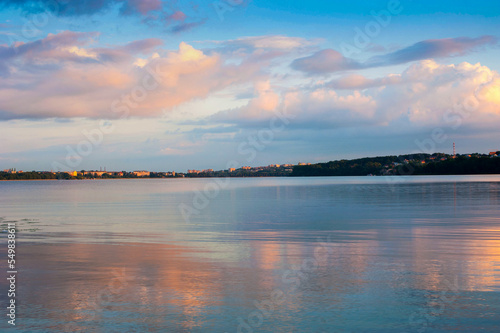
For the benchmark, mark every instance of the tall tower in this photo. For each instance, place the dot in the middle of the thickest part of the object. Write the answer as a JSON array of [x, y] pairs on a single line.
[[454, 151]]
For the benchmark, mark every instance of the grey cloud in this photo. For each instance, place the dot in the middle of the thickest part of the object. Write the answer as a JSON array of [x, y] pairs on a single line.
[[330, 61], [52, 48], [82, 7], [36, 49], [154, 12], [360, 82], [65, 38], [185, 26], [435, 48]]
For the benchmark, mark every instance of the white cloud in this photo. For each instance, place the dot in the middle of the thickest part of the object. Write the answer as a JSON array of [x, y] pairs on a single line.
[[426, 94]]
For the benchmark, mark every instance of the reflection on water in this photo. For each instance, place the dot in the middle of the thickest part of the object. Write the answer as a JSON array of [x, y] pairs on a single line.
[[353, 254]]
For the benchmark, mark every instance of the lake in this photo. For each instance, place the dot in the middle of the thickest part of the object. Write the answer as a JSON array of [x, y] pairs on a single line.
[[327, 254]]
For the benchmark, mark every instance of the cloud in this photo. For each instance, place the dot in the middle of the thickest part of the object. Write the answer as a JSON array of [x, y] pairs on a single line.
[[177, 16], [321, 108], [140, 6], [186, 26], [278, 42], [153, 12], [177, 22], [431, 49], [265, 46], [325, 61], [56, 50], [84, 7], [425, 95], [51, 50], [357, 81], [51, 42], [330, 61], [261, 107], [65, 76], [142, 46], [73, 79], [125, 52]]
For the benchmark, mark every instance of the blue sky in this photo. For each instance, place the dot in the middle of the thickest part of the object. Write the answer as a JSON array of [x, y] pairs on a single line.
[[77, 89]]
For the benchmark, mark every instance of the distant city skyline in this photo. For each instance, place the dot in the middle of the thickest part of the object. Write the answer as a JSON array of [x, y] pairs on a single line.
[[288, 166], [167, 85], [408, 164]]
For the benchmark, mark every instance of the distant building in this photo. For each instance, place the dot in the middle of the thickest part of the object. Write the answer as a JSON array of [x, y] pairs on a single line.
[[231, 169], [194, 171], [141, 173], [94, 173], [246, 168]]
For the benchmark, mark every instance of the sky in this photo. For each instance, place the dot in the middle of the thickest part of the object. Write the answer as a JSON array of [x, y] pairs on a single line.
[[166, 85]]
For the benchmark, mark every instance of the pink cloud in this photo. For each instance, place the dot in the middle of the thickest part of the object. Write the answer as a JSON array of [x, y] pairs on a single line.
[[357, 81], [68, 46], [141, 6], [177, 16], [101, 90]]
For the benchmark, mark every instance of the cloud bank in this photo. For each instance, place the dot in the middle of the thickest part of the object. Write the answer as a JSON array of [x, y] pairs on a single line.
[[426, 94], [63, 76]]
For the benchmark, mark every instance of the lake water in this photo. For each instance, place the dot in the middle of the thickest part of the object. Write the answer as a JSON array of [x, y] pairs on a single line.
[[338, 254]]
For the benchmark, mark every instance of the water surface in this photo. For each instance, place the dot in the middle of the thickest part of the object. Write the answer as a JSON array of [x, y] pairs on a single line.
[[337, 254]]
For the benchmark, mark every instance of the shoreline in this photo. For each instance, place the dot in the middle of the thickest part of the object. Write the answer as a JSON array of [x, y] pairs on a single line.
[[22, 180], [291, 177]]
